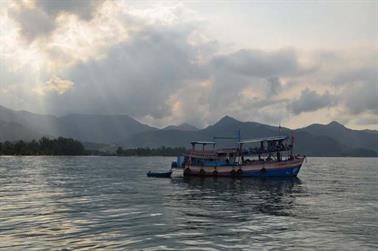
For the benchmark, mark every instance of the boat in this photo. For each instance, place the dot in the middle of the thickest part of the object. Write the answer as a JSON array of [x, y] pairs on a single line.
[[261, 157]]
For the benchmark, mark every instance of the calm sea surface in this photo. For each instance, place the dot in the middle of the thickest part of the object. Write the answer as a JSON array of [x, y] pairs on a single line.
[[73, 203]]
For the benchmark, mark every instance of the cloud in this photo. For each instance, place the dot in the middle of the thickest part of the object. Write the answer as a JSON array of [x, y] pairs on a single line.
[[352, 75], [311, 101], [367, 120], [34, 23], [54, 85], [75, 41], [155, 75], [159, 65], [274, 86], [259, 63], [137, 76], [83, 9], [39, 17], [361, 97], [244, 78]]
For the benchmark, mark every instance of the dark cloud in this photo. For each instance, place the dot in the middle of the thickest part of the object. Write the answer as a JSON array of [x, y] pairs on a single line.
[[82, 8], [274, 86], [311, 101], [40, 20], [355, 79], [258, 63], [366, 73], [258, 70], [34, 23], [137, 77], [362, 97]]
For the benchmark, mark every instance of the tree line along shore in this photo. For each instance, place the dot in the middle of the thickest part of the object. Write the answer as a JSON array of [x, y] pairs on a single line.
[[69, 146]]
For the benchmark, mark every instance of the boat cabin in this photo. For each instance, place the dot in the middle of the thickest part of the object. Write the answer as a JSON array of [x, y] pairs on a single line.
[[245, 152], [269, 148], [262, 157]]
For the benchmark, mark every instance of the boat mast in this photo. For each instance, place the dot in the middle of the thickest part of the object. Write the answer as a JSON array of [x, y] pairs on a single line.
[[241, 157], [292, 144]]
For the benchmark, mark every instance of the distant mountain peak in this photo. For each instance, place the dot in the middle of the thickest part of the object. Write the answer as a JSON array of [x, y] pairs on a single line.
[[89, 115], [336, 124], [188, 126], [228, 119], [4, 108], [182, 127]]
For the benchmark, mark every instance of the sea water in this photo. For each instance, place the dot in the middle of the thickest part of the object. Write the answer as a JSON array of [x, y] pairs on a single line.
[[87, 203]]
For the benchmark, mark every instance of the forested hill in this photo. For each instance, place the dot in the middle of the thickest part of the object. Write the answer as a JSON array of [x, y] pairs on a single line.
[[333, 139]]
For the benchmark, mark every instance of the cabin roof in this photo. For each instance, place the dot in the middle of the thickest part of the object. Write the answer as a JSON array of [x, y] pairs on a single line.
[[273, 138], [203, 143]]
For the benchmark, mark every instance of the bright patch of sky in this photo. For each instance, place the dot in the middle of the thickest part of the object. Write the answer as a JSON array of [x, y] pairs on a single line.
[[276, 24]]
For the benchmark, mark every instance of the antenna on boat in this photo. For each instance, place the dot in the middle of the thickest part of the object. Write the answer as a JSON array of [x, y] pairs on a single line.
[[292, 142]]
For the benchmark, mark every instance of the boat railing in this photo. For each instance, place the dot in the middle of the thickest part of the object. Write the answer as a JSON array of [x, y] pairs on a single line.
[[201, 153], [256, 150]]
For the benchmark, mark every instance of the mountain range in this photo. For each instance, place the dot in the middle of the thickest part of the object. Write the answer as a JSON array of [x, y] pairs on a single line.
[[97, 131]]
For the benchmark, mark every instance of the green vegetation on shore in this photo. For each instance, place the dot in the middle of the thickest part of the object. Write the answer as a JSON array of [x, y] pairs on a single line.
[[68, 146], [44, 146]]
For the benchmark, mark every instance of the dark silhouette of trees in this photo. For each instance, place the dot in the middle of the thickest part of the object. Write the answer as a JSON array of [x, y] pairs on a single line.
[[161, 151], [45, 146], [7, 148], [67, 146], [119, 151]]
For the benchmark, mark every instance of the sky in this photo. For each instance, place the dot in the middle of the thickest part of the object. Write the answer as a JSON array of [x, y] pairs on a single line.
[[291, 63]]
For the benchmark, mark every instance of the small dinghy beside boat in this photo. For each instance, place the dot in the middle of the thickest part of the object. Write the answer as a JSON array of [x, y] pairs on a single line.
[[159, 175]]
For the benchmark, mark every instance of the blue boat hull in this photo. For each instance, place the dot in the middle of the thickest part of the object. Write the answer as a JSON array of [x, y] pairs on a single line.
[[282, 172], [288, 168]]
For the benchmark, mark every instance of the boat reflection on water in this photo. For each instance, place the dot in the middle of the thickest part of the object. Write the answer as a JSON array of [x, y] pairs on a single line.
[[238, 213], [245, 197]]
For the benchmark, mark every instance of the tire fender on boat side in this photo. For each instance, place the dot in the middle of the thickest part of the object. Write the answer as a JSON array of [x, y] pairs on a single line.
[[202, 172], [215, 172], [263, 170], [240, 171], [187, 170]]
